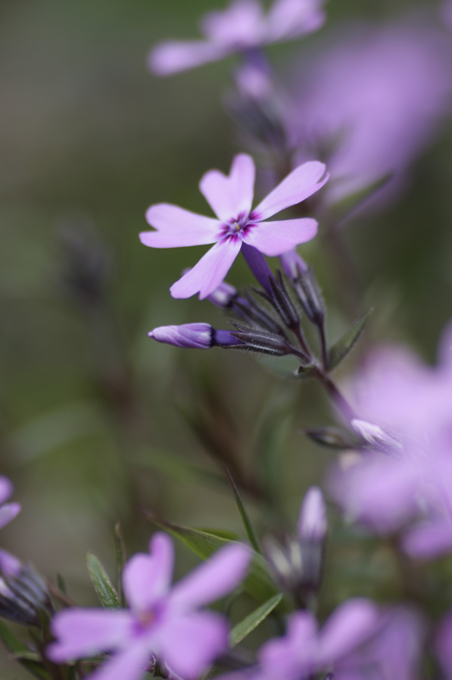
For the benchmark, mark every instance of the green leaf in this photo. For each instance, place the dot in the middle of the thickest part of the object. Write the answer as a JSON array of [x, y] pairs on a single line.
[[101, 582], [258, 583], [342, 347], [245, 627], [271, 442], [244, 515], [121, 557], [23, 655]]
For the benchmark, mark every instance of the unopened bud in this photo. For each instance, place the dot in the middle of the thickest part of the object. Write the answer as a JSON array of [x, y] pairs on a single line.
[[305, 286], [292, 264], [253, 82], [376, 436], [313, 523], [188, 336], [258, 340], [23, 594]]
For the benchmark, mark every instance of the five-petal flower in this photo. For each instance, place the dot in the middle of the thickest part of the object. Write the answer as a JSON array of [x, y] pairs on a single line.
[[231, 199], [161, 621]]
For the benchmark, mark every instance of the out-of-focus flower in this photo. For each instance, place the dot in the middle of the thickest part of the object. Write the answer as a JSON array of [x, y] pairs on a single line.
[[313, 523], [446, 13], [305, 650], [8, 511], [161, 621], [193, 336], [23, 593], [241, 27], [405, 415], [372, 101], [393, 653], [231, 198]]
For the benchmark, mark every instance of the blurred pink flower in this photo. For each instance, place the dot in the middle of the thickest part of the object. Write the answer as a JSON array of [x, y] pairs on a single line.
[[305, 651], [240, 27], [231, 198], [8, 511], [373, 100], [161, 621]]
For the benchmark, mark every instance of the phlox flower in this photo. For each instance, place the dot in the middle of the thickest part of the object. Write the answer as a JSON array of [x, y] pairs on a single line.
[[8, 511], [407, 406], [236, 224], [240, 27], [374, 97], [305, 650], [161, 620]]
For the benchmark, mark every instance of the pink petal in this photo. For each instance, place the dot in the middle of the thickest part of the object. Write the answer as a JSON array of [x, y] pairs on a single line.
[[171, 57], [296, 187], [8, 512], [130, 664], [189, 644], [6, 489], [349, 626], [277, 237], [429, 541], [9, 564], [213, 579], [86, 632], [209, 272], [177, 227], [147, 578], [293, 653], [291, 18], [230, 196]]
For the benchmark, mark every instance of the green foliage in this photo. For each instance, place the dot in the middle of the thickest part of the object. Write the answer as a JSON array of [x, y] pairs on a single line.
[[253, 620], [101, 582], [28, 659], [345, 344]]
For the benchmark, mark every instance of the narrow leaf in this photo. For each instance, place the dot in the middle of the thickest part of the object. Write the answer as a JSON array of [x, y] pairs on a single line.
[[244, 515], [101, 582], [342, 347], [258, 583], [245, 627], [23, 655]]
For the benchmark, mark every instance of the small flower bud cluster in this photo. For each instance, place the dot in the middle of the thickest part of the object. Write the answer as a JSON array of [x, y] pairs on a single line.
[[23, 594]]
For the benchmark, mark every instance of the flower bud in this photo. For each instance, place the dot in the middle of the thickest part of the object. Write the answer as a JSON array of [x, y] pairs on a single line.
[[313, 523], [376, 436], [223, 296], [23, 593], [292, 264], [188, 336]]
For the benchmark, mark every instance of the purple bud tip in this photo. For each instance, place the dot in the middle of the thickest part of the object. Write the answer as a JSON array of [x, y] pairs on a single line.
[[313, 523], [188, 336], [374, 435], [292, 264]]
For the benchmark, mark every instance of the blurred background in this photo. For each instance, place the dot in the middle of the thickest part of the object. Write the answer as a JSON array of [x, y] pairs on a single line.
[[97, 420]]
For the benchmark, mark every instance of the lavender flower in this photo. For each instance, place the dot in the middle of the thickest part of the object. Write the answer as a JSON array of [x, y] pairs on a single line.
[[305, 650], [241, 27], [8, 511], [161, 621], [231, 199], [313, 523], [372, 100]]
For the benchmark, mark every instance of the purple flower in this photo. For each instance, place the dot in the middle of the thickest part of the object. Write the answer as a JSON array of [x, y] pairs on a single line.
[[231, 199], [374, 98], [305, 650], [313, 523], [193, 336], [8, 511], [161, 621], [242, 26]]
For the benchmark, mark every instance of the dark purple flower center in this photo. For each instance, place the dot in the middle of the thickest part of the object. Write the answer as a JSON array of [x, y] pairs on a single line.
[[238, 226]]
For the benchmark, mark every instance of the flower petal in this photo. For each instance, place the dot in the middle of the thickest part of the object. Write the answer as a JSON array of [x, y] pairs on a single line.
[[296, 187], [213, 579], [147, 578], [230, 196], [190, 643], [86, 632], [349, 626], [6, 489], [210, 271], [8, 512], [277, 237], [129, 664], [171, 57], [177, 227], [429, 540], [292, 655], [289, 19]]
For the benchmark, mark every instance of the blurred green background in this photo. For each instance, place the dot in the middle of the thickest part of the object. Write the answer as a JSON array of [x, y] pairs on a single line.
[[91, 410]]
